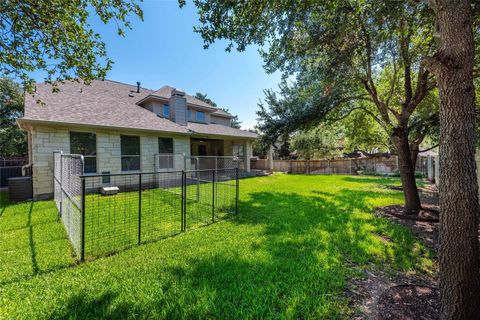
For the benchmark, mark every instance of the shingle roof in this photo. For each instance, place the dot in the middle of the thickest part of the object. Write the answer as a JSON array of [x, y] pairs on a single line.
[[112, 104], [102, 103], [217, 129], [166, 92], [221, 113]]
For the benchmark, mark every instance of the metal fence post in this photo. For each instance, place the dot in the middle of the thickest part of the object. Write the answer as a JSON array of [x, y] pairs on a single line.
[[82, 231], [236, 190], [61, 184], [183, 201], [139, 208], [213, 195]]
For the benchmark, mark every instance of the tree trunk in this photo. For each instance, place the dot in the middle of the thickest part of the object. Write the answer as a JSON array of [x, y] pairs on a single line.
[[459, 245], [407, 171], [414, 151]]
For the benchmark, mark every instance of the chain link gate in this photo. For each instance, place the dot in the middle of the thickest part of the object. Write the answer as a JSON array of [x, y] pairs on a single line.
[[68, 196]]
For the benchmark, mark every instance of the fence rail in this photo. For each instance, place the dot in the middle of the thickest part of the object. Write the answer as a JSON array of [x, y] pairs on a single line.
[[13, 167], [179, 161], [13, 161], [142, 207]]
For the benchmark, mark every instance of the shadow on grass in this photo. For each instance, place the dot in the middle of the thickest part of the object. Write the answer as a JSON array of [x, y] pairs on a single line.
[[31, 243], [287, 255], [100, 307], [32, 240], [340, 223], [295, 265], [299, 264], [384, 181]]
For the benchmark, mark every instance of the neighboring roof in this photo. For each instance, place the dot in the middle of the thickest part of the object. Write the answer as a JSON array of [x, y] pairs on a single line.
[[217, 129], [102, 103], [111, 104], [165, 92]]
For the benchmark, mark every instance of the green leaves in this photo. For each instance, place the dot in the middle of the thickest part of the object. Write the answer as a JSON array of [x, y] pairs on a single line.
[[13, 141], [56, 37], [335, 56]]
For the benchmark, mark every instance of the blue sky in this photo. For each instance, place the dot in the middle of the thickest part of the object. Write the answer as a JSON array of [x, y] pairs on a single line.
[[163, 49]]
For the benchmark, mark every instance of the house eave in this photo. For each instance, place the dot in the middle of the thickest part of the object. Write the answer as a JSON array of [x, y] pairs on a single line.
[[22, 121]]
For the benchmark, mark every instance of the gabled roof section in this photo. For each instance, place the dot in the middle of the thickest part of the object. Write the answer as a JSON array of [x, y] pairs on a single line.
[[102, 103], [221, 113]]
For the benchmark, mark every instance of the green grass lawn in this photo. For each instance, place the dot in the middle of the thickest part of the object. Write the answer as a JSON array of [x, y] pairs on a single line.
[[289, 254]]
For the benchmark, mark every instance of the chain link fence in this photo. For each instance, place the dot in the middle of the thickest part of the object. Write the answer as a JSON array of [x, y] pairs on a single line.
[[68, 195], [106, 213], [179, 161]]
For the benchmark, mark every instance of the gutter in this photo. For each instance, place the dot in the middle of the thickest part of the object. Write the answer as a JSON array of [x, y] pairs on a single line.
[[23, 121], [189, 132]]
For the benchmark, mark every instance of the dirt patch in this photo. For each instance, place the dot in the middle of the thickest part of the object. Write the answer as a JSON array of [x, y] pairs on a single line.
[[409, 302], [381, 296], [404, 296], [425, 225], [425, 215]]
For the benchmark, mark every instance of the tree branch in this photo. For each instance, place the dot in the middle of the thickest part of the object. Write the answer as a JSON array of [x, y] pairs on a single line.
[[428, 149]]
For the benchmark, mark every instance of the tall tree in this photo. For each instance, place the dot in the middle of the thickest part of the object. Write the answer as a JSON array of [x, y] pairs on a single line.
[[13, 141], [336, 50], [234, 122], [320, 142], [363, 133], [56, 36], [453, 64]]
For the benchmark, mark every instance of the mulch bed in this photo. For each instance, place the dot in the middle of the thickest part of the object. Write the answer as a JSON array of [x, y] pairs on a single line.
[[409, 302], [406, 296]]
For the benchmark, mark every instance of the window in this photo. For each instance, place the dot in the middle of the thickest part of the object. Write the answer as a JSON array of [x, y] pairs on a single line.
[[238, 150], [85, 143], [202, 150], [200, 116], [166, 158], [166, 111], [165, 145], [130, 150], [189, 114]]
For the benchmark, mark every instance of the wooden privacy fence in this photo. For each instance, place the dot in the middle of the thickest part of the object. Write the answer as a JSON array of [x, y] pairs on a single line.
[[333, 166], [11, 168]]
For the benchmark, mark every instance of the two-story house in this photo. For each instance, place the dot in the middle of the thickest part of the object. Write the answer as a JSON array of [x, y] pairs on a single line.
[[119, 127]]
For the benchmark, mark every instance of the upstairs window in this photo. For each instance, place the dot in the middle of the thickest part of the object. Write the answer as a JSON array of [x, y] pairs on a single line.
[[200, 116], [85, 143], [166, 111], [130, 153], [189, 114]]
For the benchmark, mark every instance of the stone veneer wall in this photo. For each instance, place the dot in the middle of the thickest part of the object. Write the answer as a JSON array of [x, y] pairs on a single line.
[[46, 140]]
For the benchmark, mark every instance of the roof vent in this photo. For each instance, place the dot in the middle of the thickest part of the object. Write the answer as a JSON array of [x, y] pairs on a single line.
[[138, 86], [178, 92]]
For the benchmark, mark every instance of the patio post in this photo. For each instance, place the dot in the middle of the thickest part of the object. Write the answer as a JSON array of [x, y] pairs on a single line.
[[270, 158]]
